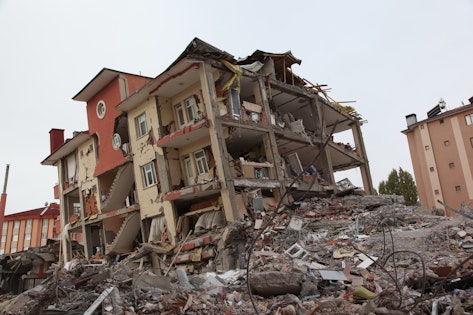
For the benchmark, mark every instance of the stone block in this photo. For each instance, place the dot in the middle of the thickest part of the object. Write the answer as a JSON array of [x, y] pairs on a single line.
[[273, 283]]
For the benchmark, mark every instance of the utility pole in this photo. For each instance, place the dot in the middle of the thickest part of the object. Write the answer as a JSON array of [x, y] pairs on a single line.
[[3, 200]]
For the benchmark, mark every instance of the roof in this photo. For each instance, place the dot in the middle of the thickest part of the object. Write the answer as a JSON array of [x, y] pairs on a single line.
[[443, 115], [69, 146], [102, 79], [287, 58], [52, 210], [179, 68]]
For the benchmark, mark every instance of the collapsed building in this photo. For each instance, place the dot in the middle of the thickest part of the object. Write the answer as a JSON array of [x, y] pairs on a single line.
[[210, 140]]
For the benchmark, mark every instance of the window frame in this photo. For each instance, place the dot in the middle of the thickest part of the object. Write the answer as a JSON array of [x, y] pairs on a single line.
[[101, 109], [201, 162], [191, 109], [148, 173], [141, 125], [180, 116], [469, 119], [16, 224], [29, 222], [188, 167]]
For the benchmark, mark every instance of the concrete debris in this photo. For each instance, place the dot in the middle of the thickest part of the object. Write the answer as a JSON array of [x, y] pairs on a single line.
[[342, 255]]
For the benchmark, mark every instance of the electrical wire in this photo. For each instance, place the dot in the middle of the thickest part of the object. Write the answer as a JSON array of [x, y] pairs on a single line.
[[250, 249]]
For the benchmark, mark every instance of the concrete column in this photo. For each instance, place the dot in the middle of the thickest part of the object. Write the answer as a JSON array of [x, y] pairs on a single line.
[[218, 145], [364, 168]]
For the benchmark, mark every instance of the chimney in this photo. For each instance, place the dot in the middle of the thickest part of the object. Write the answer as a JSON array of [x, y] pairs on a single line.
[[411, 119], [56, 138], [3, 200]]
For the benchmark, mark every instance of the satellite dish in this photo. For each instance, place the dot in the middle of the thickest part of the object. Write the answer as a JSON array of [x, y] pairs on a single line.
[[442, 103], [116, 141]]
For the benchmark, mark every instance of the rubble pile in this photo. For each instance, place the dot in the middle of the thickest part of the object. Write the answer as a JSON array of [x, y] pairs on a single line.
[[346, 255]]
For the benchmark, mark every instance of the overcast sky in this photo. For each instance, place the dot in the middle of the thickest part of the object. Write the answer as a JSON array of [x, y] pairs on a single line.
[[393, 58]]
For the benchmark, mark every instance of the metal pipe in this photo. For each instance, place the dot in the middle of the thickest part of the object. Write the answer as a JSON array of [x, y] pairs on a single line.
[[6, 179]]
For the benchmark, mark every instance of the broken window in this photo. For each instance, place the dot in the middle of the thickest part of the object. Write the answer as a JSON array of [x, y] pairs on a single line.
[[188, 169], [235, 103], [141, 125], [149, 175], [191, 109], [201, 162], [180, 116]]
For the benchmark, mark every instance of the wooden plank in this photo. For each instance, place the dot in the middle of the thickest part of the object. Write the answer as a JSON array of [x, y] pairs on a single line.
[[98, 301]]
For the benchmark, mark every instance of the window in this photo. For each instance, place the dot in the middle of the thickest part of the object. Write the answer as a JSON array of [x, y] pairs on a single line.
[[441, 121], [458, 188], [188, 168], [15, 238], [149, 175], [4, 238], [13, 250], [16, 225], [180, 116], [45, 223], [427, 148], [101, 109], [141, 126], [432, 169], [451, 165], [43, 236], [191, 109], [446, 143], [2, 251], [201, 162], [235, 103], [469, 119], [29, 223], [436, 191], [5, 227], [27, 236]]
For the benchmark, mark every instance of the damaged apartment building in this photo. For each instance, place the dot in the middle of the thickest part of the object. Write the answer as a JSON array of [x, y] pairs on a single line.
[[209, 141]]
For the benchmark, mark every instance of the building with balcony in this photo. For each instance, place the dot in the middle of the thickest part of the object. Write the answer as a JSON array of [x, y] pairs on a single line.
[[441, 149], [208, 141]]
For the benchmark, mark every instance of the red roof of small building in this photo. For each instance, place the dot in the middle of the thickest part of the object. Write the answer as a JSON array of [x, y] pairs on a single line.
[[50, 211]]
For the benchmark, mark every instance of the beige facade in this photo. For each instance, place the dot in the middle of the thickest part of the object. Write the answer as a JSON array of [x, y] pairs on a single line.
[[441, 149], [208, 141]]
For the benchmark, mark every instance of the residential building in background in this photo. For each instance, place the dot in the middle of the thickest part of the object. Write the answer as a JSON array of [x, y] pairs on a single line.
[[31, 228], [441, 149], [209, 141]]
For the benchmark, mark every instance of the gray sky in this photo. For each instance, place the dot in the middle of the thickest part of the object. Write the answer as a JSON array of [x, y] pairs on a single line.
[[393, 57]]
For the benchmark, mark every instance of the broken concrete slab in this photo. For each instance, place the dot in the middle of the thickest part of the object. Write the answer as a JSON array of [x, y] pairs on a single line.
[[273, 283]]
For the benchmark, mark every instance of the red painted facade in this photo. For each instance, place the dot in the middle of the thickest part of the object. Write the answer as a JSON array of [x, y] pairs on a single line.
[[108, 157]]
